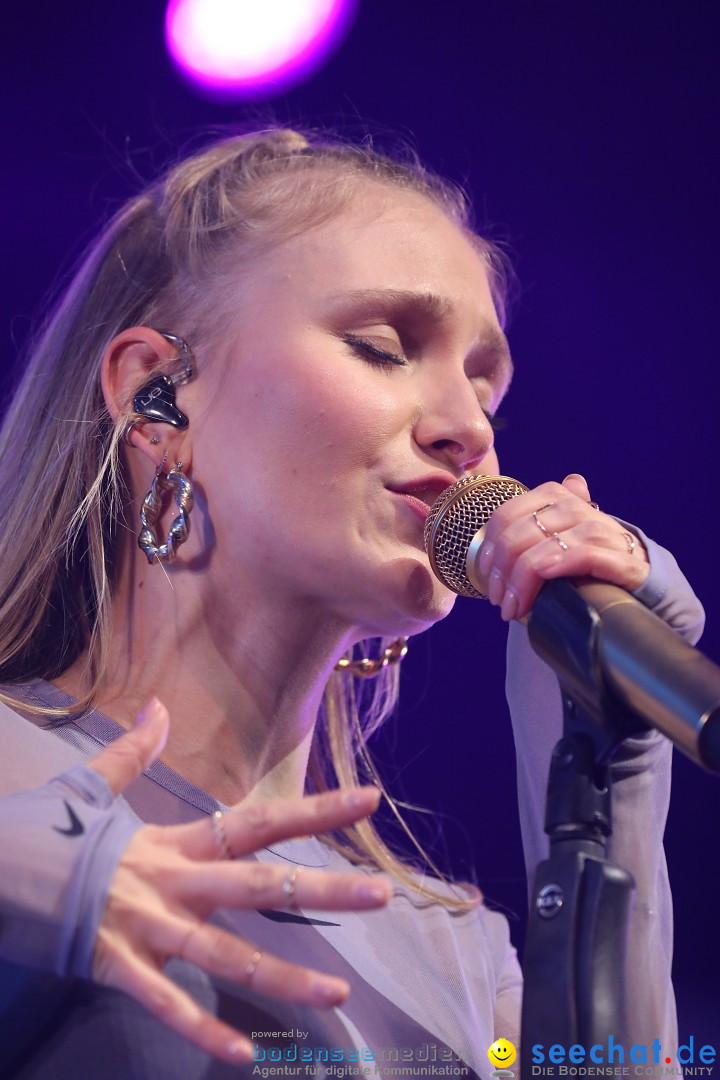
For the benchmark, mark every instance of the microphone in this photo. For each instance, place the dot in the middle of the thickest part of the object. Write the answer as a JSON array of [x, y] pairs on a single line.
[[602, 643]]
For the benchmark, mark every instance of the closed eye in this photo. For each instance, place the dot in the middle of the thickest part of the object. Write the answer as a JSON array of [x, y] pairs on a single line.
[[368, 350], [372, 352]]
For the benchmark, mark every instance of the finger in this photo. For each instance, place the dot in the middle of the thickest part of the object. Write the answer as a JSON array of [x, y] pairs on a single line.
[[254, 825], [615, 564], [578, 485], [231, 957], [607, 559], [178, 1011], [127, 757], [535, 523], [522, 507], [258, 885]]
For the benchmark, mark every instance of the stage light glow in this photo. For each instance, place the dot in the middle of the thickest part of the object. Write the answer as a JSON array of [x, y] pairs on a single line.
[[253, 48]]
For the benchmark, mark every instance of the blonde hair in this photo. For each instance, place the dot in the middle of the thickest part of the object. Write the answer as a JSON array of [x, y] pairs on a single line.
[[62, 491]]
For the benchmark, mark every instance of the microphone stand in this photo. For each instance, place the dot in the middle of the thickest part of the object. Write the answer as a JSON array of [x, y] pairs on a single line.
[[616, 663], [579, 906]]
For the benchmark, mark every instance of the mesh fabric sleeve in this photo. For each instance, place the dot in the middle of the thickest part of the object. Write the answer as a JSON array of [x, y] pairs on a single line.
[[59, 846]]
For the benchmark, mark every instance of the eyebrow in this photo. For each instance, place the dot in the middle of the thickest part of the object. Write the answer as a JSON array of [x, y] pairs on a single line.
[[428, 305]]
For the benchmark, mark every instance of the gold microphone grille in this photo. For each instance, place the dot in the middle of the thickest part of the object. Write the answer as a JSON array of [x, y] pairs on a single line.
[[454, 519]]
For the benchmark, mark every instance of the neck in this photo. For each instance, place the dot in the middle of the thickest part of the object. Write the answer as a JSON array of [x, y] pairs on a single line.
[[243, 687]]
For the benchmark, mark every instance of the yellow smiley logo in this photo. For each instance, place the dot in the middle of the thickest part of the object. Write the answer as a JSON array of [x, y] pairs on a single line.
[[501, 1054]]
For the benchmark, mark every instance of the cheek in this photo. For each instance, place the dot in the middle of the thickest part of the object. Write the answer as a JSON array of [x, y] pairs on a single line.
[[331, 411]]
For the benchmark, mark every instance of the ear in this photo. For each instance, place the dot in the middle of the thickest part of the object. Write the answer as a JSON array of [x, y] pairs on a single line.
[[132, 358]]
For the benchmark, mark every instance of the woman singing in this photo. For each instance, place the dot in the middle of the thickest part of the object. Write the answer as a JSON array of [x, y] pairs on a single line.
[[214, 478]]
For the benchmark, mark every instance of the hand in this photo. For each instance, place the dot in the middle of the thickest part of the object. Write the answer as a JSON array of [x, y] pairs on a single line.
[[171, 878], [565, 537]]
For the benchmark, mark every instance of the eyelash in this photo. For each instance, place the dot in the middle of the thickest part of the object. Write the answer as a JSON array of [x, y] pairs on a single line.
[[374, 355]]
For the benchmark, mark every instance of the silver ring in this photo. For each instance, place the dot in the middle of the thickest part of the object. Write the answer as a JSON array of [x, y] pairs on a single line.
[[537, 520], [563, 545], [630, 541], [252, 966], [220, 835], [128, 427], [288, 887]]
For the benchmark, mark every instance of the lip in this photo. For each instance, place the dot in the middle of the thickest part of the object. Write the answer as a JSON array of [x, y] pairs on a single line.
[[418, 507], [420, 494]]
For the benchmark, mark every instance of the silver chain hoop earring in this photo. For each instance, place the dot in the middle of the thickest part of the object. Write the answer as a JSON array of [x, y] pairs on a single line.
[[182, 490]]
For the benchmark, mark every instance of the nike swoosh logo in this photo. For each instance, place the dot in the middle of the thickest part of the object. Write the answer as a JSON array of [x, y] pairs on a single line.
[[76, 827], [291, 917]]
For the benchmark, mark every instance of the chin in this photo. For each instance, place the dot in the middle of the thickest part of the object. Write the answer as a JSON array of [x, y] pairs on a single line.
[[413, 600]]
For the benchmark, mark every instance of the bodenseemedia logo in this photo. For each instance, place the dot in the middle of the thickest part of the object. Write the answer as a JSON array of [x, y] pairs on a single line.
[[615, 1059]]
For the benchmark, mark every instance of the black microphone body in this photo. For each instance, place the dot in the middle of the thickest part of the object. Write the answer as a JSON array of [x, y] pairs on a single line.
[[603, 644]]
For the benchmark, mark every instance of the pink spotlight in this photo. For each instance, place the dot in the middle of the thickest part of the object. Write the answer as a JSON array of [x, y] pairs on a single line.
[[232, 49]]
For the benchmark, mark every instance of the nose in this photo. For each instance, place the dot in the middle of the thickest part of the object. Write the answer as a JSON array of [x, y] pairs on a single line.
[[452, 427]]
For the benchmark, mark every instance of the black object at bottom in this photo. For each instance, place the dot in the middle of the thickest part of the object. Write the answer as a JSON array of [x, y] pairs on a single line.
[[575, 950], [579, 906]]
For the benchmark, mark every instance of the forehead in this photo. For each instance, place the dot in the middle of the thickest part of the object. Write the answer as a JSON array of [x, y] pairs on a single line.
[[383, 241], [392, 231]]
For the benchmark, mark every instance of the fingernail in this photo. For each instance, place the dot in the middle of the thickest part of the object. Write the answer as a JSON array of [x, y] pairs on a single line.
[[496, 587], [361, 798], [376, 893], [240, 1048], [149, 711], [575, 476], [485, 560], [331, 993], [509, 607]]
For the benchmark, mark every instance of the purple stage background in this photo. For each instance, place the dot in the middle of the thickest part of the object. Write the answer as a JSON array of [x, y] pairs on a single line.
[[587, 133]]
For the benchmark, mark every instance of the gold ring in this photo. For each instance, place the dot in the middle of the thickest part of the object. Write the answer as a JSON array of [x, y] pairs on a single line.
[[218, 823], [630, 541], [537, 520], [252, 966], [563, 545], [594, 506], [288, 887]]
